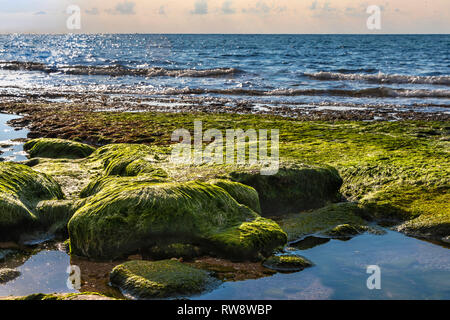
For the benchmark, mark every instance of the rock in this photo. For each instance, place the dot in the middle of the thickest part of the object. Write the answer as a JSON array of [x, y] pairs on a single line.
[[293, 188], [127, 214], [343, 231], [57, 148], [303, 224], [128, 160], [21, 190], [160, 279], [434, 227], [7, 275], [62, 296], [287, 263]]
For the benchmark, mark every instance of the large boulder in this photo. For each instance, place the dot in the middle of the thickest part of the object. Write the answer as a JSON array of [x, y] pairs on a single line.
[[294, 188], [160, 279], [57, 148], [21, 191], [131, 213]]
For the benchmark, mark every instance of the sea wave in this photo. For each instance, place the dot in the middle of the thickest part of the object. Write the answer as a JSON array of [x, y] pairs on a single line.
[[381, 92], [381, 78], [117, 70]]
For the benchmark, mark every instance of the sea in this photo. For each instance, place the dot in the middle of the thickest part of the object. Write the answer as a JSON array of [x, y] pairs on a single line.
[[313, 72]]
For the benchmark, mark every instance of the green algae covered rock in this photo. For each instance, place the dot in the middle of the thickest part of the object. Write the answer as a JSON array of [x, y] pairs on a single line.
[[160, 279], [434, 227], [126, 214], [293, 188], [21, 190], [57, 148], [323, 220], [240, 192], [127, 160], [287, 263], [344, 230]]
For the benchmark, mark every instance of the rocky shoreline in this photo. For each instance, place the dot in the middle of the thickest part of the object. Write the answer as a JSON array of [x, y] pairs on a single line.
[[123, 202]]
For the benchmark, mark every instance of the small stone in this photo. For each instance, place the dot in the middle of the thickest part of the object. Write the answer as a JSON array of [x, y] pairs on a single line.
[[287, 263]]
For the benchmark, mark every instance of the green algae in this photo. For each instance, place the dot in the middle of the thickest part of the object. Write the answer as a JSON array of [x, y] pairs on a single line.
[[21, 190], [397, 171], [118, 220], [57, 148], [322, 220], [293, 188], [287, 263], [242, 193], [160, 279]]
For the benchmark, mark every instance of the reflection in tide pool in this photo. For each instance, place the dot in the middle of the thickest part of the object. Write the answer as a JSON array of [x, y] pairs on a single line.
[[410, 269], [44, 272]]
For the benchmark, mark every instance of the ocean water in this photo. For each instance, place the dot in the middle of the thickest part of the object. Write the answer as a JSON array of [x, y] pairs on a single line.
[[314, 71]]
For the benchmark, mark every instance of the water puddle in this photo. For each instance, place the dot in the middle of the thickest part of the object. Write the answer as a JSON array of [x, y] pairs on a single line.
[[410, 269]]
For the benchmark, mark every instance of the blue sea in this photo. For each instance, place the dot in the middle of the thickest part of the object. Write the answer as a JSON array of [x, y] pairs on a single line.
[[402, 72]]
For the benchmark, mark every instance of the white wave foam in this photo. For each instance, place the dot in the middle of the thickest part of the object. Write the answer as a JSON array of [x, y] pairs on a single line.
[[381, 78]]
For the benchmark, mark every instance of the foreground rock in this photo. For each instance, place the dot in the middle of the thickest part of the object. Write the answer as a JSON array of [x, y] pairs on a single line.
[[124, 216], [22, 191], [135, 199], [287, 263], [160, 279], [7, 275]]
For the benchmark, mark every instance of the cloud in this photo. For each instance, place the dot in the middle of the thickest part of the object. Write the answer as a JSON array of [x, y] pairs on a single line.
[[123, 8], [322, 10], [93, 11], [39, 13], [226, 7], [261, 8], [201, 7]]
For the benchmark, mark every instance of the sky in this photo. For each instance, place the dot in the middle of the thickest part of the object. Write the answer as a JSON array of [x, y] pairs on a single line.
[[224, 16]]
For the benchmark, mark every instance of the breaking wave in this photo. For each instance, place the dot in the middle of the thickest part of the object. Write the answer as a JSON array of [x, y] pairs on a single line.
[[381, 92], [381, 78], [117, 70]]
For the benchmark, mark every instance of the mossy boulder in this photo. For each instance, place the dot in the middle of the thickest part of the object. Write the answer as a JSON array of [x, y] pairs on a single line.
[[7, 275], [297, 226], [126, 214], [21, 190], [344, 231], [160, 279], [57, 148], [287, 263], [128, 160], [293, 188], [434, 227]]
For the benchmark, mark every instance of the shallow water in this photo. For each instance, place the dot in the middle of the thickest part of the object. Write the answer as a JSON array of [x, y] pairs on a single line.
[[11, 150], [410, 269]]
